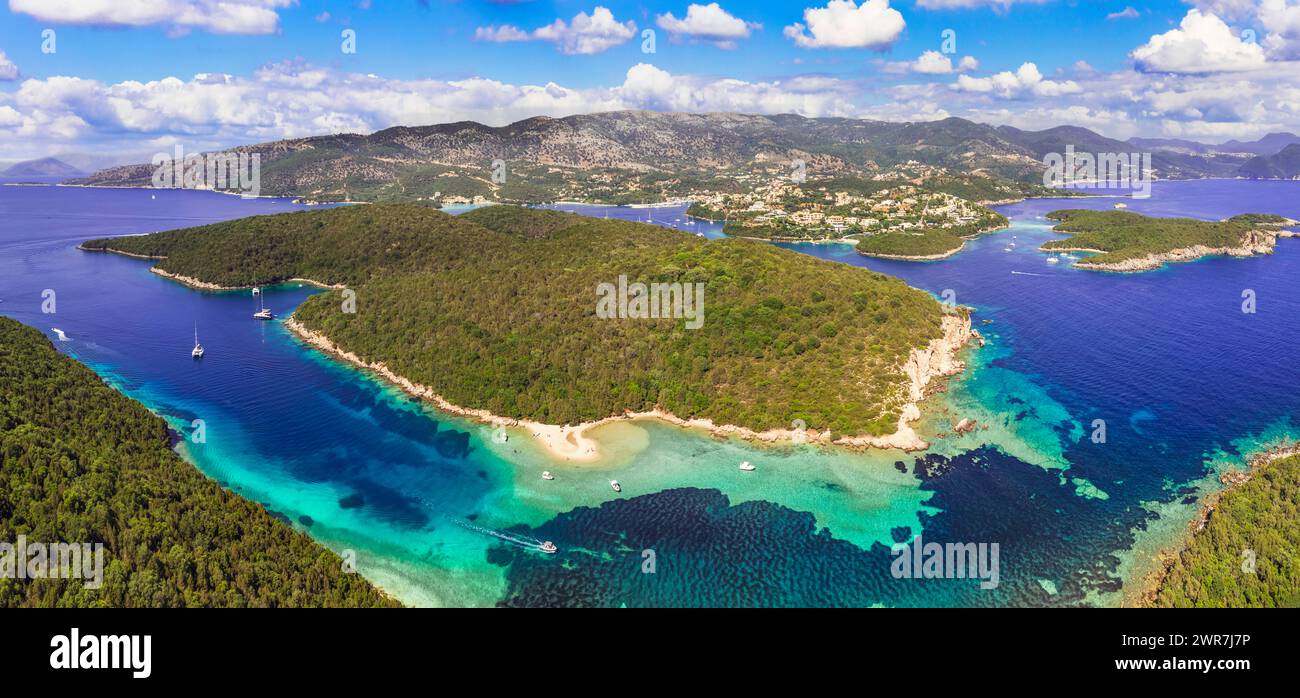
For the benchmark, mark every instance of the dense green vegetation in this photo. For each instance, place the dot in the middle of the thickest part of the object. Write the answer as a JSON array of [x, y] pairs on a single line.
[[496, 310], [921, 243], [1257, 521], [698, 210], [1123, 235], [335, 246], [928, 242], [79, 462]]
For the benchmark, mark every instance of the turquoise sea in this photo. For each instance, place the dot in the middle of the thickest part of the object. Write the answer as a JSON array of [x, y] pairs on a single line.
[[438, 513]]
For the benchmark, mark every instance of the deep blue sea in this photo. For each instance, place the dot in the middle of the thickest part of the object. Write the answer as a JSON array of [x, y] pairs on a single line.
[[1184, 381]]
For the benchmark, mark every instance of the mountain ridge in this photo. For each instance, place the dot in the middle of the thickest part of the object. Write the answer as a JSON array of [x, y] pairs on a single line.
[[653, 153]]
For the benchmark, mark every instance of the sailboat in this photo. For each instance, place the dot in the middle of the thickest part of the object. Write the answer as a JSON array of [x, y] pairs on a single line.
[[198, 348], [264, 313]]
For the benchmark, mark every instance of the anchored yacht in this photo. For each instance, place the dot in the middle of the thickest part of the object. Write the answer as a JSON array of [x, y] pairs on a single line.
[[264, 313]]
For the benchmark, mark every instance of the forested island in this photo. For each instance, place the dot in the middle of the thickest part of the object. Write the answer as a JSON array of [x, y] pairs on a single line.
[[929, 243], [1248, 552], [84, 464], [1128, 242], [496, 311]]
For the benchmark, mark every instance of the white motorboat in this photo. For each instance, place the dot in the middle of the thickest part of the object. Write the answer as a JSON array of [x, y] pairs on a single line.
[[747, 467], [548, 476], [197, 352], [549, 548], [616, 487]]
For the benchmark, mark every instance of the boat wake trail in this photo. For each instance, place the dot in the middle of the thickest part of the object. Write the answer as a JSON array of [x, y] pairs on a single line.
[[1026, 273], [521, 541]]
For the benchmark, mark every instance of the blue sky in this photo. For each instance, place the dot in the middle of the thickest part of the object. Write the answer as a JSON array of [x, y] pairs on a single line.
[[133, 76]]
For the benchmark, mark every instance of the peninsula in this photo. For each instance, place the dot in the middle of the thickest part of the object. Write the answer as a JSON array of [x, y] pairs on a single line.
[[494, 315]]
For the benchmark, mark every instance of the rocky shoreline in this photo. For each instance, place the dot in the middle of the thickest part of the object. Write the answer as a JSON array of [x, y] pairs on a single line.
[[1231, 479], [1256, 243], [940, 359]]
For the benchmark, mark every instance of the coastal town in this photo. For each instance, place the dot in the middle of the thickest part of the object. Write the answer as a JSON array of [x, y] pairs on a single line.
[[823, 210], [770, 200]]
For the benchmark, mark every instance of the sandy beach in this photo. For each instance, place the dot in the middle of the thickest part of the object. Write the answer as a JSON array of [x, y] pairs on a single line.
[[573, 444]]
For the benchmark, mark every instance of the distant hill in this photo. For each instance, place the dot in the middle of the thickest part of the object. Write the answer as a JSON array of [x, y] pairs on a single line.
[[651, 152], [1177, 145], [44, 167], [1284, 165], [1268, 145], [1271, 144]]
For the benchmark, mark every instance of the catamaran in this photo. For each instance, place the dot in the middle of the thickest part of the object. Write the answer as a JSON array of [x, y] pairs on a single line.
[[198, 348], [264, 313]]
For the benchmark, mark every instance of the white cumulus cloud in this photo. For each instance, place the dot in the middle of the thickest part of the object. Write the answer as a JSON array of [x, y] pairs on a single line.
[[708, 23], [1202, 43], [219, 16], [935, 63], [846, 24], [584, 34], [1027, 80]]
